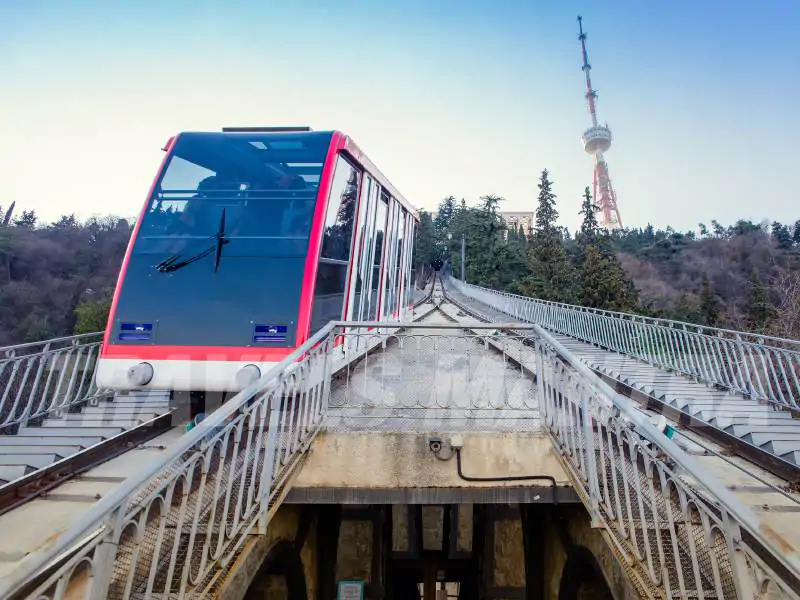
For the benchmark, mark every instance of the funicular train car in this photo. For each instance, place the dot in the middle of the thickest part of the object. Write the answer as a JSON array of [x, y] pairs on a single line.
[[251, 240]]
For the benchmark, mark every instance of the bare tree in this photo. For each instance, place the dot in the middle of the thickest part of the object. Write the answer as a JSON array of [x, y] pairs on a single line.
[[786, 289]]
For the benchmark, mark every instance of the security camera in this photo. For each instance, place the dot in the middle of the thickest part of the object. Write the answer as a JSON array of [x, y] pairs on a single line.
[[435, 445]]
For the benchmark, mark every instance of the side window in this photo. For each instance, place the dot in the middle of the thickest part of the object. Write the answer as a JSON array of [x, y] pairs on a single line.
[[408, 263], [398, 281], [360, 273], [340, 212], [380, 234]]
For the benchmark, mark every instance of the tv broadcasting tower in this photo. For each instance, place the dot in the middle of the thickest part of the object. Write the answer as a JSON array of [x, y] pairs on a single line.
[[596, 141]]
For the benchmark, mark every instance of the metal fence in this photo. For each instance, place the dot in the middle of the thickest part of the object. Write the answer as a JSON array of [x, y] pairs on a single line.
[[762, 367], [174, 529], [435, 375], [171, 530], [41, 378], [679, 530]]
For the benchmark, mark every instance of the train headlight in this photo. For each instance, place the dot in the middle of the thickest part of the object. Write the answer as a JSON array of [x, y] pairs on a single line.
[[140, 374], [247, 375]]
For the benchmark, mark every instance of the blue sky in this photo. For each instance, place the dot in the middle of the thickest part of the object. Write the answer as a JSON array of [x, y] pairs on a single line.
[[447, 97]]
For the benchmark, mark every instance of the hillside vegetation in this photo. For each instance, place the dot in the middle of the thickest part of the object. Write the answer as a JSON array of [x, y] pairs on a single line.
[[745, 276], [58, 279]]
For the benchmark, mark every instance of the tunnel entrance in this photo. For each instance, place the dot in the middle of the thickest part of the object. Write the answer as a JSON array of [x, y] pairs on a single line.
[[454, 579], [502, 551]]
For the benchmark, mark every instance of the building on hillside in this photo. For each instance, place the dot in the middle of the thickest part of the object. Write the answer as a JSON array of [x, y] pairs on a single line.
[[523, 220]]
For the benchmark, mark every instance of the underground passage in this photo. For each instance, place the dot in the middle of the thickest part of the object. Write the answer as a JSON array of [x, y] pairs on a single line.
[[430, 552]]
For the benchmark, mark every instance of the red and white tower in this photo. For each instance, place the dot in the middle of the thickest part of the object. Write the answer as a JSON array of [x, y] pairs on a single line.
[[596, 141]]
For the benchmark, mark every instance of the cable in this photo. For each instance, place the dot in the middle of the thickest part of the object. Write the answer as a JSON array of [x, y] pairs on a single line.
[[552, 480]]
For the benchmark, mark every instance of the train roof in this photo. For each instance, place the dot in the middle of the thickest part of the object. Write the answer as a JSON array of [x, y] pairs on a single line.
[[342, 141]]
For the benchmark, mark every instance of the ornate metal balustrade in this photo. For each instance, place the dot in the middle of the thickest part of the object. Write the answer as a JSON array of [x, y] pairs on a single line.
[[173, 530], [40, 378], [763, 367], [679, 532]]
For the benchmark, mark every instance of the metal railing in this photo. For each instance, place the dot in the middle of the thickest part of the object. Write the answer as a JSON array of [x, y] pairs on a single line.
[[678, 530], [175, 528], [762, 367], [41, 378], [170, 530], [432, 375]]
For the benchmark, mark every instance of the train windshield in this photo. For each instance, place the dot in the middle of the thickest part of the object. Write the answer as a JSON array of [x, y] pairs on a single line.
[[258, 190]]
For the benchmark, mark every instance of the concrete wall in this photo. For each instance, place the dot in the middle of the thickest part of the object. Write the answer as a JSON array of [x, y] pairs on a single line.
[[402, 460], [283, 527], [576, 524]]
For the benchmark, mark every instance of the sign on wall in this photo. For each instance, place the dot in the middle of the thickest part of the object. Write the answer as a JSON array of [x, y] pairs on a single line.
[[350, 589]]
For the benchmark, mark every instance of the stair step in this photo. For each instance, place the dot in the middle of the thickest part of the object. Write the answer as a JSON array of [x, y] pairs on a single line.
[[760, 438], [781, 448], [39, 449], [82, 421], [52, 432], [744, 416], [12, 472], [30, 441], [738, 403], [725, 421], [145, 412], [31, 460], [158, 402]]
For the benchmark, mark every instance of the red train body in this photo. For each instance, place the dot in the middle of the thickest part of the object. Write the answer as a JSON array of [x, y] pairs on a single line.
[[250, 241]]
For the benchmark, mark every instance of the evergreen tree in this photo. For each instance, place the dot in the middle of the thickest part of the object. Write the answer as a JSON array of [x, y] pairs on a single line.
[[552, 275], [686, 309], [27, 220], [709, 303], [589, 226], [445, 214], [759, 310], [781, 235], [796, 233], [603, 281], [91, 316], [426, 250], [6, 218]]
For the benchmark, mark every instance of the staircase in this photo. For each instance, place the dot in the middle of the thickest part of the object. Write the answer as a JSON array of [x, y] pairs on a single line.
[[46, 440]]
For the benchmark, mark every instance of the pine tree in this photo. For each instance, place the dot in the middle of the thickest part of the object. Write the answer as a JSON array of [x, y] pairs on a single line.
[[604, 283], [445, 214], [27, 220], [9, 213], [546, 213], [781, 235], [709, 303], [552, 275], [759, 310], [796, 233]]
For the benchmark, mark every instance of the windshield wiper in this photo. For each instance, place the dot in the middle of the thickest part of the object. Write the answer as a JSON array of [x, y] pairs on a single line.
[[174, 262]]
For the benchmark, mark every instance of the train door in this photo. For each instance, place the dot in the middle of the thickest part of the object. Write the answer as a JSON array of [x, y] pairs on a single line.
[[360, 286], [389, 276], [335, 256], [408, 261], [400, 246], [378, 256]]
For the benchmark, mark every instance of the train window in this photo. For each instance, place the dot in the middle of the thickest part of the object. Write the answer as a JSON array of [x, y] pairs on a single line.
[[410, 272], [389, 288], [362, 266], [266, 188], [398, 288], [340, 212], [380, 233]]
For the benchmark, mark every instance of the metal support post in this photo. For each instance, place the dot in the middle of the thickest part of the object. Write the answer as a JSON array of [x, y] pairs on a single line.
[[463, 243]]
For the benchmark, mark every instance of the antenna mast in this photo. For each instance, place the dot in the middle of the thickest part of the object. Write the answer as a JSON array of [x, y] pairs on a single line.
[[596, 141]]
